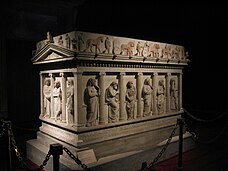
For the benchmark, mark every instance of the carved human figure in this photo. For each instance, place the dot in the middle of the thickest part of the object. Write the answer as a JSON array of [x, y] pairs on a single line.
[[112, 99], [74, 43], [107, 45], [160, 96], [70, 100], [47, 98], [67, 39], [173, 95], [49, 38], [139, 49], [60, 41], [147, 97], [80, 41], [57, 96], [91, 94], [130, 100], [166, 52]]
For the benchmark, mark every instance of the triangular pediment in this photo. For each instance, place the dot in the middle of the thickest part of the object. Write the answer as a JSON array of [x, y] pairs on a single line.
[[52, 53]]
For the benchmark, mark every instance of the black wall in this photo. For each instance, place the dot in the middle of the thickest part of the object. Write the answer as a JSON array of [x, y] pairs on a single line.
[[200, 28]]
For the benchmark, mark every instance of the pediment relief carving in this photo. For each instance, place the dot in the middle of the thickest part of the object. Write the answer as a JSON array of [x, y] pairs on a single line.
[[52, 53]]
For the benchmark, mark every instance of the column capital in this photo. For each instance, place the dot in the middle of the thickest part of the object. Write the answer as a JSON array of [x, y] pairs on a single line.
[[168, 74], [139, 74], [102, 73], [155, 74], [61, 74], [122, 73], [50, 75], [77, 73]]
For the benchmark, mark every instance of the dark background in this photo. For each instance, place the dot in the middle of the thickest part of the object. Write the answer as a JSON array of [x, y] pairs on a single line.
[[200, 28]]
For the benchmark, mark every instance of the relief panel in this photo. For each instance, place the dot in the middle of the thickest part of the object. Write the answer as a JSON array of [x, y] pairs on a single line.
[[112, 99]]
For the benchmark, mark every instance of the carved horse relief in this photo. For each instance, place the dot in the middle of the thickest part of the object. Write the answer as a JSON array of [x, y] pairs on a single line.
[[154, 50], [93, 45], [116, 47], [127, 49]]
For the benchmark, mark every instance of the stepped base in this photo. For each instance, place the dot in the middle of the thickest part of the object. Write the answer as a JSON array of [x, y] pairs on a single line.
[[127, 161]]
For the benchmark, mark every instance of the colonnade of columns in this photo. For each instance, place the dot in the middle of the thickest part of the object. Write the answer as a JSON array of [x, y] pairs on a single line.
[[78, 79]]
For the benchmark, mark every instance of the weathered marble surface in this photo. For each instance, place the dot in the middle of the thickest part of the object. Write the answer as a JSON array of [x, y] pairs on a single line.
[[107, 98], [111, 48]]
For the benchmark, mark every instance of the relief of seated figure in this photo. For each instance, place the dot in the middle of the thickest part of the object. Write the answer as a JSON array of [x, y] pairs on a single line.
[[160, 96]]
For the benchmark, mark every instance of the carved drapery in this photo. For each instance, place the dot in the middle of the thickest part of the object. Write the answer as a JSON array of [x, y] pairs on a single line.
[[79, 85], [143, 74]]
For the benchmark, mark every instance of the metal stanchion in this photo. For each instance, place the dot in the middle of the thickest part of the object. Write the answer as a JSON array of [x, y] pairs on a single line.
[[180, 161], [56, 150], [10, 168]]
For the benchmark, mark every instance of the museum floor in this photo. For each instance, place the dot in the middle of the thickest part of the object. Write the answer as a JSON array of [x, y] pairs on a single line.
[[209, 155]]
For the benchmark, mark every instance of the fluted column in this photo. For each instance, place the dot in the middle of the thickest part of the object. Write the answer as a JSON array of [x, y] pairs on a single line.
[[64, 117], [168, 92], [101, 83], [52, 98], [41, 95], [139, 98], [122, 97], [154, 78], [179, 107]]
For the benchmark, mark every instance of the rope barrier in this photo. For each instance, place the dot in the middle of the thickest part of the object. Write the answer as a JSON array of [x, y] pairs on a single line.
[[215, 138], [203, 120], [7, 125]]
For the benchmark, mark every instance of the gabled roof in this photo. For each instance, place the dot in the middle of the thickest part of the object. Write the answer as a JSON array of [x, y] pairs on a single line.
[[52, 53]]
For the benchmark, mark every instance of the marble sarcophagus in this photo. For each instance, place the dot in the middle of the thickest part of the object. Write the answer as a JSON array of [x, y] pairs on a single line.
[[103, 96]]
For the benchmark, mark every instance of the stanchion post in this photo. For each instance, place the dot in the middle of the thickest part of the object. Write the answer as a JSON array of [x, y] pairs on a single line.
[[180, 121], [56, 150], [8, 123]]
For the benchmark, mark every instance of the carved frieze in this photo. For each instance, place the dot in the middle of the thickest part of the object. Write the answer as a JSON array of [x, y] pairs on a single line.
[[109, 91], [105, 47]]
